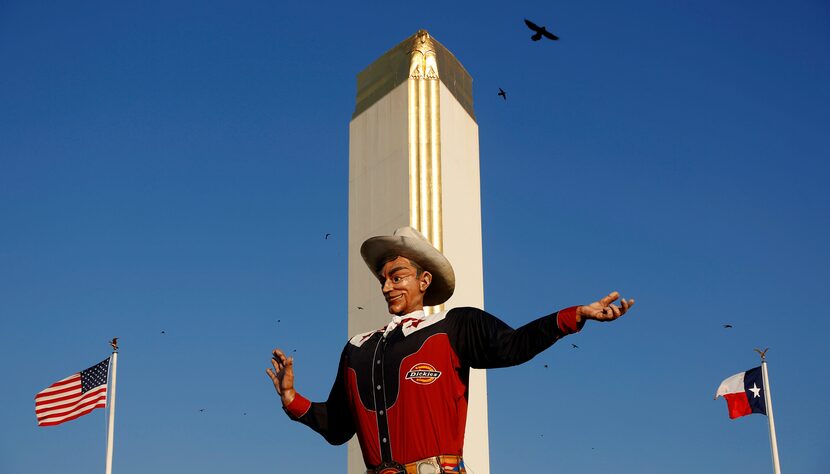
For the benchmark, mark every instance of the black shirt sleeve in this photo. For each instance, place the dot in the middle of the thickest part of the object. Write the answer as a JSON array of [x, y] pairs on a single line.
[[483, 341], [332, 418]]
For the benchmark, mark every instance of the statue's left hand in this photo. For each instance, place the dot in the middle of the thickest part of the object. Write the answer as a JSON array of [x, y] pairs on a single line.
[[604, 310]]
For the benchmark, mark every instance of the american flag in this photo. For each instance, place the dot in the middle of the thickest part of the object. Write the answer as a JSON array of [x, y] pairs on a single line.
[[73, 396]]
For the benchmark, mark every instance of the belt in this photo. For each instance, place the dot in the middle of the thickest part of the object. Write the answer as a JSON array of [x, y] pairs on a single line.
[[435, 465]]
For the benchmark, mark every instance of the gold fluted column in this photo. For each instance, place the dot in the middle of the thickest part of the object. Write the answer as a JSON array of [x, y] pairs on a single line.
[[425, 142]]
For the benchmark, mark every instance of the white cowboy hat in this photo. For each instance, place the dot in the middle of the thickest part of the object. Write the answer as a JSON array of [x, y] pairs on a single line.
[[408, 242]]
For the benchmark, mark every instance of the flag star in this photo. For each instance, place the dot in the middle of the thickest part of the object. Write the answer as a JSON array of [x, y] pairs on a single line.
[[755, 390]]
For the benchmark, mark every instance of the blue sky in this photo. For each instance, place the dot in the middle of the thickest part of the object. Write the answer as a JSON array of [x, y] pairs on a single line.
[[174, 166]]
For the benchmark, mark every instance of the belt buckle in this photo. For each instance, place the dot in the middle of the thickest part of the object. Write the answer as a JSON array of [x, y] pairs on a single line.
[[390, 467], [429, 466]]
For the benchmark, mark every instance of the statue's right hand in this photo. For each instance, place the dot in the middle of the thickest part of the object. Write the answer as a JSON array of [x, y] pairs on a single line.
[[282, 374]]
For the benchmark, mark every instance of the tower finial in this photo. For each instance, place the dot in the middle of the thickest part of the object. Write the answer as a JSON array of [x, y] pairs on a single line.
[[423, 63]]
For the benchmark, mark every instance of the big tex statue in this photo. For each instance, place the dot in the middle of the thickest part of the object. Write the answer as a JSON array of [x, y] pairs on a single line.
[[403, 388]]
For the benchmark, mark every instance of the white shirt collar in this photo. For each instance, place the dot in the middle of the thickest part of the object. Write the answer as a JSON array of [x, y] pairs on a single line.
[[406, 319]]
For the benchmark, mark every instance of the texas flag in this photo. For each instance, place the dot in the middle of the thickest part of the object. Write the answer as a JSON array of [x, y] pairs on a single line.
[[744, 393]]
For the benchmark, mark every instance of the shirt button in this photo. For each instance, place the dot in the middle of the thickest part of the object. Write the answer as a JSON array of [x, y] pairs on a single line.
[[384, 440], [380, 413], [378, 387], [378, 362]]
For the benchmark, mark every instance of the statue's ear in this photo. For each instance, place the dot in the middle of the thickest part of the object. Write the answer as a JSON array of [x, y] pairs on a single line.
[[426, 279]]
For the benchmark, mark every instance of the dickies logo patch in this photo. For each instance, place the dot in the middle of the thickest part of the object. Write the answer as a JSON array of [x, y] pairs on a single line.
[[423, 374]]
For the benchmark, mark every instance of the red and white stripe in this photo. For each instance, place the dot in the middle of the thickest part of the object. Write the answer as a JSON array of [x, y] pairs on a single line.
[[63, 401], [734, 391]]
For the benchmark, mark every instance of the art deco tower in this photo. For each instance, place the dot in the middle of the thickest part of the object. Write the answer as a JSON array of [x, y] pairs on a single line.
[[413, 160]]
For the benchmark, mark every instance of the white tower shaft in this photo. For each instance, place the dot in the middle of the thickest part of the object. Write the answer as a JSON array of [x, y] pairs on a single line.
[[413, 160]]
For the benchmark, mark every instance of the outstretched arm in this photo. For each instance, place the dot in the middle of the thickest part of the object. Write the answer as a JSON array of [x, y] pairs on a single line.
[[332, 418], [484, 341]]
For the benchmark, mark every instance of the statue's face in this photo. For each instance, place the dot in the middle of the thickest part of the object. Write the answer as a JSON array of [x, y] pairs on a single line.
[[402, 288]]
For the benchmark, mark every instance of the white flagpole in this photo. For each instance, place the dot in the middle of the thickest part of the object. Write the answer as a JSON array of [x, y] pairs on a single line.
[[111, 400], [773, 441]]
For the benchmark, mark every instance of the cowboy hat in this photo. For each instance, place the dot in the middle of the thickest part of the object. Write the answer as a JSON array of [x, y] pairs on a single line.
[[408, 242]]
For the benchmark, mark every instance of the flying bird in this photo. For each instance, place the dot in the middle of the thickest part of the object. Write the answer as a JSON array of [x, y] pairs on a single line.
[[114, 343], [360, 307], [201, 410], [727, 326], [327, 236], [539, 31], [546, 366], [163, 332], [574, 346], [502, 93]]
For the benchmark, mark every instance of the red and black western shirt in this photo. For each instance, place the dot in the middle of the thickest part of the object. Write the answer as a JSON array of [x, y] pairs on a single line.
[[403, 389]]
